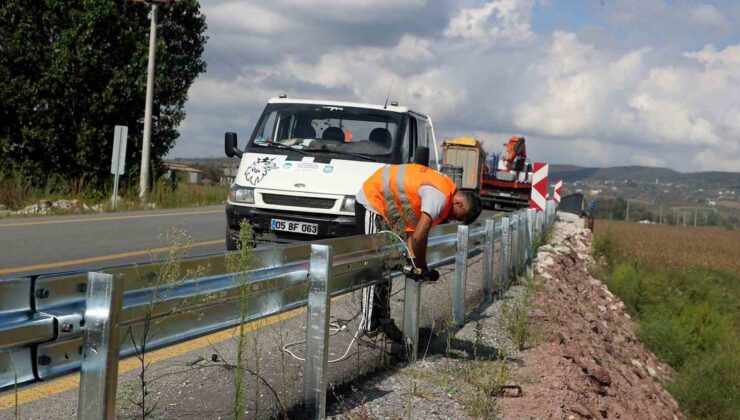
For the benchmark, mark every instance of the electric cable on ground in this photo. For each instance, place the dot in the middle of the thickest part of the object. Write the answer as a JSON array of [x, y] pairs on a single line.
[[336, 328]]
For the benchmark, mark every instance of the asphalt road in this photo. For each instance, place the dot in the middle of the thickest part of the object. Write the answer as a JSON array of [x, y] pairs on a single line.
[[185, 383], [65, 243]]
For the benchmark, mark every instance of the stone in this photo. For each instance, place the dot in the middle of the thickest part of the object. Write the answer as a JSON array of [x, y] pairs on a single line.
[[581, 410], [602, 376], [66, 204], [557, 338]]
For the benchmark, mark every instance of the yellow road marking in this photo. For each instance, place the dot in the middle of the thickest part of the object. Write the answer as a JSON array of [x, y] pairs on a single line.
[[67, 383], [103, 219], [70, 382], [89, 260]]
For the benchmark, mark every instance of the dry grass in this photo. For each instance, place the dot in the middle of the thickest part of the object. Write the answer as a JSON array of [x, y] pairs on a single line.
[[664, 246]]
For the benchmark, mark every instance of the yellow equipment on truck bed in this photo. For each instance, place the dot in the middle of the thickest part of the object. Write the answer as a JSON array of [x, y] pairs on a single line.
[[464, 152]]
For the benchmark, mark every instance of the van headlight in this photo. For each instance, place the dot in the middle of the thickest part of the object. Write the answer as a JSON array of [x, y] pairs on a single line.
[[348, 204], [239, 194]]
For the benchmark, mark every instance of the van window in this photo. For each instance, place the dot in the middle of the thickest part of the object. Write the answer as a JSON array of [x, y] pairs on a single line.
[[318, 129], [264, 133], [423, 131], [413, 138], [406, 146]]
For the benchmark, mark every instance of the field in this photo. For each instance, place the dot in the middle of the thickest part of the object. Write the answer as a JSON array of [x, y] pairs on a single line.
[[682, 285], [664, 246]]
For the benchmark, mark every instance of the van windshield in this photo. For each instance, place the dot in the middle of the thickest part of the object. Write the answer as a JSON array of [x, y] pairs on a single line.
[[322, 129]]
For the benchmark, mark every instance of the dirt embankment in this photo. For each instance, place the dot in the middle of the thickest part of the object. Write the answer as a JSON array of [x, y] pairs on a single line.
[[592, 365]]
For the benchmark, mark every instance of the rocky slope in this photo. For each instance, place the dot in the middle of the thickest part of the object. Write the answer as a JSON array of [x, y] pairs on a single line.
[[592, 365]]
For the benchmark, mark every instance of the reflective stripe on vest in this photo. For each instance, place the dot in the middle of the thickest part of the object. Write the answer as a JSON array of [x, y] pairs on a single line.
[[408, 212], [403, 206]]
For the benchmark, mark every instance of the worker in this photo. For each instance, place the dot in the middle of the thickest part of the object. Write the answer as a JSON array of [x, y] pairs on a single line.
[[516, 153], [407, 199]]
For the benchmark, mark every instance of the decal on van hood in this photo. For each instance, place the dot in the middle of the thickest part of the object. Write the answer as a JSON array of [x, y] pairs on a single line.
[[275, 173], [257, 171]]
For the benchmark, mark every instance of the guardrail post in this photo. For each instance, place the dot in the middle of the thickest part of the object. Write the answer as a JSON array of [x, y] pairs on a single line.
[[100, 347], [504, 252], [514, 233], [411, 296], [488, 260], [523, 240], [461, 274], [317, 331], [530, 243]]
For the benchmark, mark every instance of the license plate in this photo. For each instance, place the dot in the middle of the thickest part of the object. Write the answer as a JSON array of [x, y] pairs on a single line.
[[296, 227]]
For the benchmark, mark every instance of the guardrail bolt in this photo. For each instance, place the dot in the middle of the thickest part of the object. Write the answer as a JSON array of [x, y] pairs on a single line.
[[42, 293], [66, 327], [44, 360]]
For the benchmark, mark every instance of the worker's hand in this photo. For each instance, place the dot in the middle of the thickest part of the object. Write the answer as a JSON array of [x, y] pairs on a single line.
[[422, 274], [429, 275]]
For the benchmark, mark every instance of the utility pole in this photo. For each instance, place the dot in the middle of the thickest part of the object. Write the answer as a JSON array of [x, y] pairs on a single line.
[[627, 218], [146, 145], [660, 217], [695, 211]]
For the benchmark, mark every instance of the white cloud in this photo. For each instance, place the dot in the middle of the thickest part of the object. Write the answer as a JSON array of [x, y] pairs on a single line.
[[708, 15], [484, 70], [496, 20]]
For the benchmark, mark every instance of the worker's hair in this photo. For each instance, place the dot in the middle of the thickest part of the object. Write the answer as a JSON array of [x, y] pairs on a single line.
[[475, 207]]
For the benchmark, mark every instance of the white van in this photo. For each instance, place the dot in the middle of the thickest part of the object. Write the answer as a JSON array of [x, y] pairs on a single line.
[[306, 160]]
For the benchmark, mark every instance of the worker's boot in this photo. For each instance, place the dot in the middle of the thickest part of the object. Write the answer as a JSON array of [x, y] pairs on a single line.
[[391, 330]]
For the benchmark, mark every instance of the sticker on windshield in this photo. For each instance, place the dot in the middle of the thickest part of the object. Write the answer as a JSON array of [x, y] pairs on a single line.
[[308, 166], [258, 169]]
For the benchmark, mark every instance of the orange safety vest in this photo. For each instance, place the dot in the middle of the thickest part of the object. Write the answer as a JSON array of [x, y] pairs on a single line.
[[401, 183], [510, 148]]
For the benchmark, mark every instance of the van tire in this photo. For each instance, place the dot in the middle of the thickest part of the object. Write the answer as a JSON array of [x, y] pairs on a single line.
[[231, 242]]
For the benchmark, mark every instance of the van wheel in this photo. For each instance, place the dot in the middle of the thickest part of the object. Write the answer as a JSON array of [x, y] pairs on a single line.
[[231, 241]]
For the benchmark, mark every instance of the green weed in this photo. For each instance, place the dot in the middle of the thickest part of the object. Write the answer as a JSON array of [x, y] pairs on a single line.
[[239, 263], [689, 317]]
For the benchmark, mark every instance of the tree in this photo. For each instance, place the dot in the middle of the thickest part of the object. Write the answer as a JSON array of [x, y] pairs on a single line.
[[72, 70]]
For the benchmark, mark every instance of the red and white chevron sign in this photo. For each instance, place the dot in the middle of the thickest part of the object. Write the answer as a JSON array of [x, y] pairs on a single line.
[[558, 186], [538, 198]]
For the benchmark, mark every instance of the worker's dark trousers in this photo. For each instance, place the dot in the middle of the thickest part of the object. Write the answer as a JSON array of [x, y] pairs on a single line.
[[376, 305]]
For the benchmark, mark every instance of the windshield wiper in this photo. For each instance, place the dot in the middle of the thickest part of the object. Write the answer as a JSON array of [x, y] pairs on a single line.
[[325, 149], [281, 146]]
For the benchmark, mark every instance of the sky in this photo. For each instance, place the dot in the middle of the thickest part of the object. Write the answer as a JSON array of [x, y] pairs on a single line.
[[587, 82]]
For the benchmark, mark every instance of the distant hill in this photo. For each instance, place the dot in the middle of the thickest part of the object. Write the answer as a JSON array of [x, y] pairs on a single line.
[[572, 173]]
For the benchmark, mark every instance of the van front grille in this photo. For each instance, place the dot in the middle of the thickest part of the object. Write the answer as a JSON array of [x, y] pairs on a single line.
[[295, 201]]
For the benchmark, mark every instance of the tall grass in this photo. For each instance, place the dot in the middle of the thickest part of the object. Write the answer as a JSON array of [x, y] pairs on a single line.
[[689, 317], [240, 263], [17, 192]]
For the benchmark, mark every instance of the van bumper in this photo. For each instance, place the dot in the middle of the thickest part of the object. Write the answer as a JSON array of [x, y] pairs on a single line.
[[329, 225]]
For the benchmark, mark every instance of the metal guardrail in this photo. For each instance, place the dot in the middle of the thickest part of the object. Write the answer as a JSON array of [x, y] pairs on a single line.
[[55, 324]]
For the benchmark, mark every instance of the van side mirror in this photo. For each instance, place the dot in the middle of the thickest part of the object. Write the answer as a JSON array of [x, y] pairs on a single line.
[[230, 145], [422, 156]]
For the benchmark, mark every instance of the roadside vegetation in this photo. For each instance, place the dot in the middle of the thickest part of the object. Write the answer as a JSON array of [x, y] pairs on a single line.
[[17, 193], [683, 287]]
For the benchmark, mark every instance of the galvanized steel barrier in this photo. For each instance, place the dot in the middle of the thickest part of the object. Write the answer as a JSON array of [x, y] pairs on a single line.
[[55, 324]]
